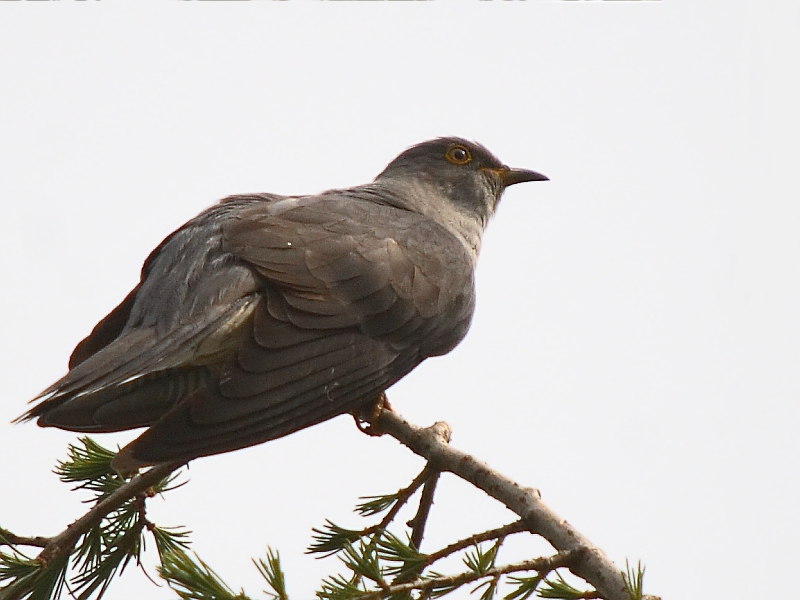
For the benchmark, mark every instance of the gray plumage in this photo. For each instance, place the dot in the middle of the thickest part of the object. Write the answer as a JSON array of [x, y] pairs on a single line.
[[266, 314]]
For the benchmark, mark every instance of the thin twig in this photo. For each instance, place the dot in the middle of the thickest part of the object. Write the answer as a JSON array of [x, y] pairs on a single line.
[[540, 565], [592, 566], [417, 524], [491, 534], [402, 497], [10, 539]]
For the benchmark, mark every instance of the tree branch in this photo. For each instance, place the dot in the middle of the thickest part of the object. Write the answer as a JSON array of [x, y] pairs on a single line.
[[430, 443], [574, 551]]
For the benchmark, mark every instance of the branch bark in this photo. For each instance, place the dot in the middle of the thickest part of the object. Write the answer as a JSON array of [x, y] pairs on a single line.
[[431, 443]]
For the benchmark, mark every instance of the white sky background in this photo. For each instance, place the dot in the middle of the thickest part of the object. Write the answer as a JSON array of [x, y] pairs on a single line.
[[635, 350]]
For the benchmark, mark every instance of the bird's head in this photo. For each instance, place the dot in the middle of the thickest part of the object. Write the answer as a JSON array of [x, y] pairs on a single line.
[[466, 173]]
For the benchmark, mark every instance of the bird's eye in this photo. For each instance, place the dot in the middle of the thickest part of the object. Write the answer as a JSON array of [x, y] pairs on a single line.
[[458, 155]]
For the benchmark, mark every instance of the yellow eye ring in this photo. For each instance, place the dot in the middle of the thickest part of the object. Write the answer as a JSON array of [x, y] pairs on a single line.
[[458, 155]]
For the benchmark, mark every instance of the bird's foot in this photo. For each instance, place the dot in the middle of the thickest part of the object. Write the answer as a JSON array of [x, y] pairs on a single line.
[[367, 417]]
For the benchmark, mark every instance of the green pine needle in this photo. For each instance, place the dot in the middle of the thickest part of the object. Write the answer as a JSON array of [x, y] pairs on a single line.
[[561, 589], [363, 560], [97, 570], [441, 589], [89, 465], [634, 580], [491, 589], [337, 587], [193, 579], [169, 539], [480, 561], [526, 587], [375, 504], [404, 560], [28, 576], [272, 573], [332, 539], [15, 566]]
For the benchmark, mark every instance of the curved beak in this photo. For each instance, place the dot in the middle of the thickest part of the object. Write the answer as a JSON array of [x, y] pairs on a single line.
[[511, 176]]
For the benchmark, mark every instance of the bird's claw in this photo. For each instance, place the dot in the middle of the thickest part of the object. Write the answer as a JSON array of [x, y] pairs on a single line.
[[367, 418]]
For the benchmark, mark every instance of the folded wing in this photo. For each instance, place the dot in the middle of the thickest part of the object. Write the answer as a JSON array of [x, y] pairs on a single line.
[[263, 316]]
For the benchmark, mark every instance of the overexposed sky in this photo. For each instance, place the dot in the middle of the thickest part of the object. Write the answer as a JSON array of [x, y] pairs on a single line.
[[635, 350]]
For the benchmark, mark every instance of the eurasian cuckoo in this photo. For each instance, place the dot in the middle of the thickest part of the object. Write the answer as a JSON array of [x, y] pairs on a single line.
[[267, 314]]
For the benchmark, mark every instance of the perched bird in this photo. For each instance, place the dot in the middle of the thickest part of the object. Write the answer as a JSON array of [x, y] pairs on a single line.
[[267, 314]]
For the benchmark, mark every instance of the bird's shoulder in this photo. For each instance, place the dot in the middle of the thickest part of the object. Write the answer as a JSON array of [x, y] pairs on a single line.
[[343, 221], [343, 244]]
